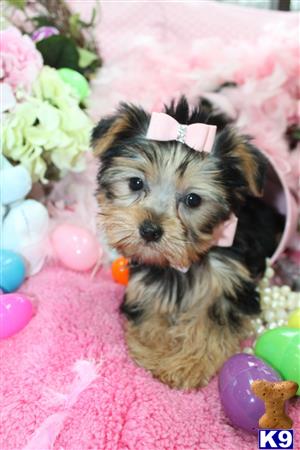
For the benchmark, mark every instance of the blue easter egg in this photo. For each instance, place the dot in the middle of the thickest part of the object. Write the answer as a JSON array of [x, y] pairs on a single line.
[[12, 270]]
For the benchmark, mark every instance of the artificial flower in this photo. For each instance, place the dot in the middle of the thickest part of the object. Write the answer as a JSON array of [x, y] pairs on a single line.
[[8, 99], [47, 130], [52, 88], [20, 61]]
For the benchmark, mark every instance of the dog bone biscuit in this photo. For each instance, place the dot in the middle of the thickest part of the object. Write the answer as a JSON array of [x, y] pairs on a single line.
[[274, 395]]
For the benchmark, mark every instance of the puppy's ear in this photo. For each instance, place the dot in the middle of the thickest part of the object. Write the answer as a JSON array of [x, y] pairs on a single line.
[[128, 122], [243, 165]]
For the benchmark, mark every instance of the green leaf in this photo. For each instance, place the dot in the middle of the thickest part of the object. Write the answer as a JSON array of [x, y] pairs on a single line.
[[74, 23], [43, 21], [59, 51], [89, 71], [17, 3], [91, 23], [86, 58]]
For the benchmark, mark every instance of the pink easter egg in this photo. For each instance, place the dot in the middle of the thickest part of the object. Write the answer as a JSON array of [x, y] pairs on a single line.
[[15, 312], [76, 247]]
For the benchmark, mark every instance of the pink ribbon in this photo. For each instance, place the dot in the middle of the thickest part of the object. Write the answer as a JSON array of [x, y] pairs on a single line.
[[224, 234], [198, 136]]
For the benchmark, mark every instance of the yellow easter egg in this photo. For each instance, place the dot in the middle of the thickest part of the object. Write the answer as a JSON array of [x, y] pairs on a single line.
[[294, 319]]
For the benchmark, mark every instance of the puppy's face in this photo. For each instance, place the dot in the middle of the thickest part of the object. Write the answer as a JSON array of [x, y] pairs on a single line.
[[160, 201]]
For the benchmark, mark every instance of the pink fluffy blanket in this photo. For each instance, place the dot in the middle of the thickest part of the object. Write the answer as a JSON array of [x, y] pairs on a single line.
[[67, 382]]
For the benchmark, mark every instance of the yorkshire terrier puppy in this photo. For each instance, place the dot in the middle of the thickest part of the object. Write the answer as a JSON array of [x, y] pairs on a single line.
[[165, 199]]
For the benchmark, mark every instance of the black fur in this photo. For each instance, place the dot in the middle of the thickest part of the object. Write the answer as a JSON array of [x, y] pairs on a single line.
[[234, 178], [137, 118], [132, 312], [258, 232], [204, 112]]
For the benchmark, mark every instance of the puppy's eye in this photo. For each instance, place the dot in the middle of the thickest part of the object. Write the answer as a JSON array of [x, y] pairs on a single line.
[[192, 200], [136, 184]]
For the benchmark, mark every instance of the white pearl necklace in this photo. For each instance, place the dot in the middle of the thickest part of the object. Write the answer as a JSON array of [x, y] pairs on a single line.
[[277, 303]]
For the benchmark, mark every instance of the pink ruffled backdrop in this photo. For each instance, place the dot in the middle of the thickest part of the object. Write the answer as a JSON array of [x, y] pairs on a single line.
[[67, 381]]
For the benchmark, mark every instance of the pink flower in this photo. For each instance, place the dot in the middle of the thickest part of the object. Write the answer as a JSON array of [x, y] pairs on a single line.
[[20, 61]]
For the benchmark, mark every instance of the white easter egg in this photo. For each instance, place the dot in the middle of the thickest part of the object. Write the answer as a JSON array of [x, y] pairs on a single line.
[[16, 183], [25, 230], [24, 223]]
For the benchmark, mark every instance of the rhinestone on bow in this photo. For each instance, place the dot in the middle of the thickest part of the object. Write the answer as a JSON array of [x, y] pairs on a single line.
[[181, 133]]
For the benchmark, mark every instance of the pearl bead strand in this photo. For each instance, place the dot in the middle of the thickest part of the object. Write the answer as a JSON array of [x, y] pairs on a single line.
[[277, 303]]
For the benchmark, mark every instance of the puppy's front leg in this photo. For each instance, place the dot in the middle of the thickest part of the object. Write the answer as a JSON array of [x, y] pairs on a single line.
[[184, 354]]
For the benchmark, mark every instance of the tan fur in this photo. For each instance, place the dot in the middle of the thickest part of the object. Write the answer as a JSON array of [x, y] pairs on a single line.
[[128, 240], [120, 124], [249, 167], [184, 348], [274, 395], [183, 353]]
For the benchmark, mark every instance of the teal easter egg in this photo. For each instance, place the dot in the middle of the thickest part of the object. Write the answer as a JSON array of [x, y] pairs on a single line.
[[76, 81], [12, 270], [280, 348]]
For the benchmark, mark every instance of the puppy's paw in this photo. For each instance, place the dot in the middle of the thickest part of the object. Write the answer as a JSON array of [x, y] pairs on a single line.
[[180, 356]]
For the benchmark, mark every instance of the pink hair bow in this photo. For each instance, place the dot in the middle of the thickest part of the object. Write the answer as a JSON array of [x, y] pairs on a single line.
[[224, 233], [198, 136]]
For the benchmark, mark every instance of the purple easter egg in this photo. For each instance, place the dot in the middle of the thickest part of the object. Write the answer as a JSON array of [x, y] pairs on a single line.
[[15, 312], [241, 406], [43, 33]]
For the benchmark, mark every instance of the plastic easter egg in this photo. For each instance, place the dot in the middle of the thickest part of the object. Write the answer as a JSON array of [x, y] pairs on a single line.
[[12, 270], [24, 223], [294, 319], [241, 406], [15, 312], [280, 348], [76, 247], [25, 231], [76, 81], [120, 270], [43, 33], [16, 182]]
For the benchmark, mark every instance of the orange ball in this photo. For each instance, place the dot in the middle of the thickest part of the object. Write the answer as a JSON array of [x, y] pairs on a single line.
[[120, 270]]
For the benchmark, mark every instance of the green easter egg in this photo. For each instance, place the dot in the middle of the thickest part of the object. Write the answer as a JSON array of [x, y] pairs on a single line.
[[280, 348], [294, 319], [76, 81]]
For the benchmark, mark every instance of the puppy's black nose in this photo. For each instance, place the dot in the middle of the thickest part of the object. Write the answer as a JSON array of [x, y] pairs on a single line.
[[150, 232]]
